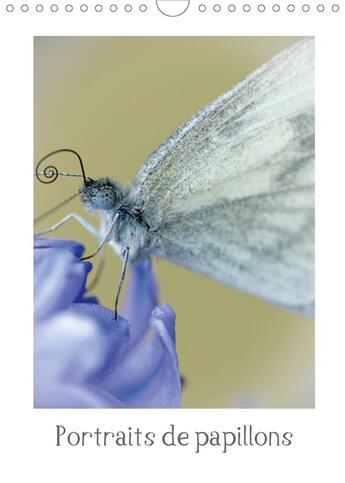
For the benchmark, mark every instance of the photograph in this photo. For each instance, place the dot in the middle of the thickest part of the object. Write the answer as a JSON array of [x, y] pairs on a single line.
[[174, 221]]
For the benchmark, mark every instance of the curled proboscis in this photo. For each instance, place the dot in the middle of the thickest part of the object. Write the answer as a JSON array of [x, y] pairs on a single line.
[[51, 173]]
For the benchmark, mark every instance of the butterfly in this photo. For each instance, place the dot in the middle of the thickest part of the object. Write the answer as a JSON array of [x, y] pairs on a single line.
[[230, 194]]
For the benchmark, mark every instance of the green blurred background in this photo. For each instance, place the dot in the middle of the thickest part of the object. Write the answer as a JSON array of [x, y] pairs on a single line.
[[114, 99]]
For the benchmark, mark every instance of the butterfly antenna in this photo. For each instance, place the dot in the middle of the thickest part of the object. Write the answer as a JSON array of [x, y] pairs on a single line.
[[55, 208], [51, 173]]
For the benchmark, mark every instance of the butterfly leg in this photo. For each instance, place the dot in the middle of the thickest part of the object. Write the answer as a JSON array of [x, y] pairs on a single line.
[[122, 278], [72, 216], [104, 240]]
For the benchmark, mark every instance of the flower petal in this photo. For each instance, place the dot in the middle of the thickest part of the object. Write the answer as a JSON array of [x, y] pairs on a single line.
[[74, 396], [164, 388], [115, 334], [42, 244], [82, 344], [59, 279], [148, 375], [141, 299], [83, 357]]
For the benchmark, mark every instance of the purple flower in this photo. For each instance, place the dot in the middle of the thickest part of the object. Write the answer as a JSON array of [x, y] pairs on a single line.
[[83, 357]]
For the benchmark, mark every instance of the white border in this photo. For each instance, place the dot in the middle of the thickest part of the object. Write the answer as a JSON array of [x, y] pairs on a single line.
[[29, 435]]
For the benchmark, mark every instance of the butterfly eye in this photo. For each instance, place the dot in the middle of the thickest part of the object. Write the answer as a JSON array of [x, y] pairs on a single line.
[[105, 199]]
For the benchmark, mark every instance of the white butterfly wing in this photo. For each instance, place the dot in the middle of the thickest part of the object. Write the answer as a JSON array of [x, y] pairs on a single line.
[[231, 193]]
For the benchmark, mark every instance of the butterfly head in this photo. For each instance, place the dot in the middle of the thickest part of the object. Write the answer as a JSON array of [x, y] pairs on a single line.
[[101, 194]]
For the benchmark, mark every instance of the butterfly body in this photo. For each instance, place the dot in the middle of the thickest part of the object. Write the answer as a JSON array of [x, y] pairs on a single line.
[[109, 199]]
